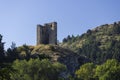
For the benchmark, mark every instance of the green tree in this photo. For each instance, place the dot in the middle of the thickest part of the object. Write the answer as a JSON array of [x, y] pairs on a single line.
[[12, 53], [6, 71], [64, 40], [116, 29], [2, 56], [24, 51], [86, 71], [36, 69], [110, 70]]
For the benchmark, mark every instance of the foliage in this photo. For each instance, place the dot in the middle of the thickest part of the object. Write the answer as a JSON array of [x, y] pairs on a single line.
[[24, 52], [2, 54], [86, 71], [6, 71], [70, 39], [116, 29], [34, 69], [98, 44], [12, 53], [110, 70]]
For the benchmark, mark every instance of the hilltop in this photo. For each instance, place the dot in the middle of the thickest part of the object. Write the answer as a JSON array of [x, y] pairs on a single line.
[[98, 44], [66, 60], [54, 53]]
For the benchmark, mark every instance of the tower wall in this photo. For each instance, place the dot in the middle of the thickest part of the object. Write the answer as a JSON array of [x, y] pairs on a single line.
[[47, 34], [39, 34], [53, 33]]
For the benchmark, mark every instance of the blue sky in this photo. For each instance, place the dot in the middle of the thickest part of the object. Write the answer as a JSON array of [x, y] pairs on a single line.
[[18, 18]]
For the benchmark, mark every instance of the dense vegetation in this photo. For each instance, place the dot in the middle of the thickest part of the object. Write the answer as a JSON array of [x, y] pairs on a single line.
[[99, 47], [36, 69], [110, 70], [18, 63]]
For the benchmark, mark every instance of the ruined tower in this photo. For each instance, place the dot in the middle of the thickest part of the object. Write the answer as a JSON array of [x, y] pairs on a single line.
[[47, 33]]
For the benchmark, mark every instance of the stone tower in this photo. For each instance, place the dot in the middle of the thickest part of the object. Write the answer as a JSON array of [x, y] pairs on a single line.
[[47, 34]]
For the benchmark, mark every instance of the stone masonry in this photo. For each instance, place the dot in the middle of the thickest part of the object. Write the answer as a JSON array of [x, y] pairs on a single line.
[[47, 33]]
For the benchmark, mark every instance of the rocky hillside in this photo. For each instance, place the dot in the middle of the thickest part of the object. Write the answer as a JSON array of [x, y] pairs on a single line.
[[55, 54], [98, 44]]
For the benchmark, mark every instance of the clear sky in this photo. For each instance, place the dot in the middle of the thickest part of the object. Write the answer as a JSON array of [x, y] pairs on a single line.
[[18, 18]]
